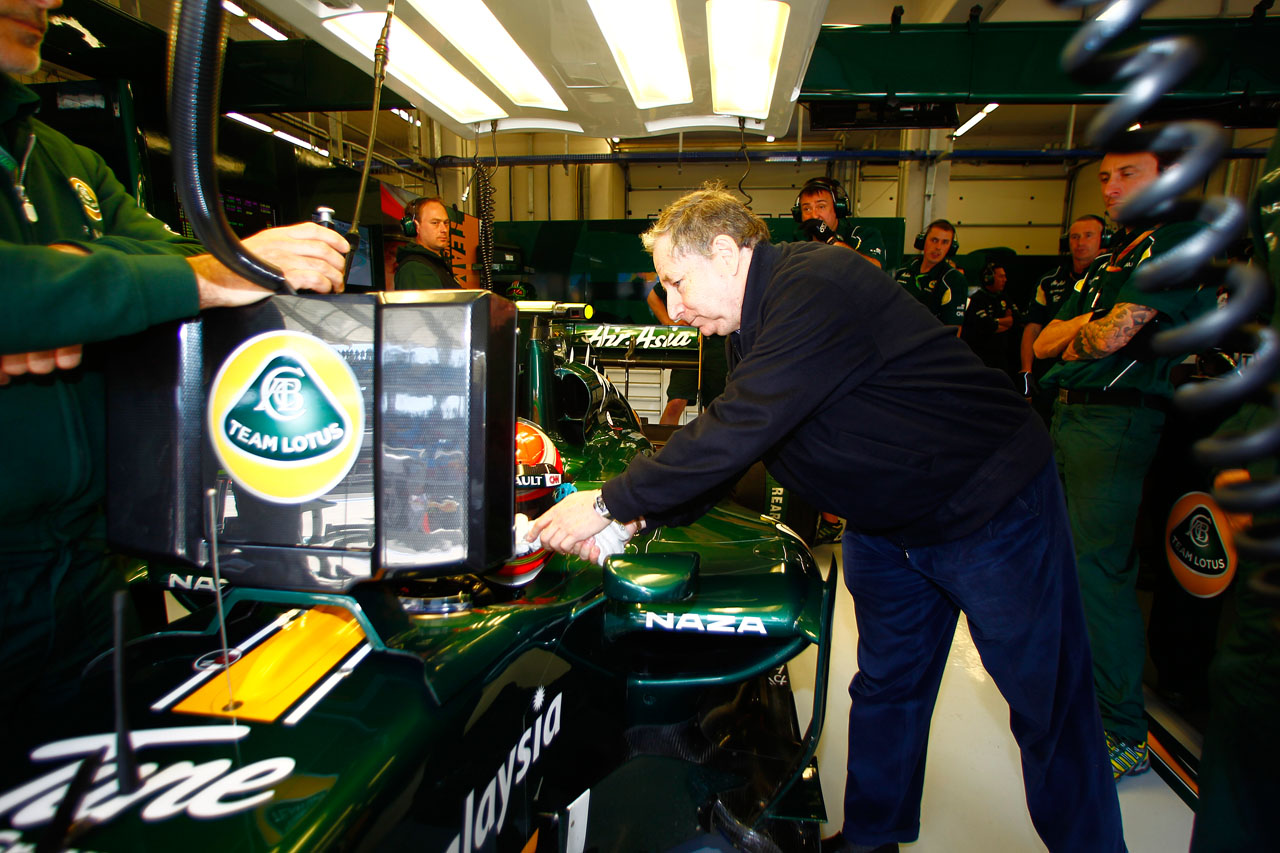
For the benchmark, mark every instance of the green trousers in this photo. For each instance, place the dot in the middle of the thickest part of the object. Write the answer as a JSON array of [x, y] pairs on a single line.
[[1239, 786], [55, 617], [1103, 454]]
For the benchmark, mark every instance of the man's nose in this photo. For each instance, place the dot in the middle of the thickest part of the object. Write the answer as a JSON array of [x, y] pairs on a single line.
[[674, 305]]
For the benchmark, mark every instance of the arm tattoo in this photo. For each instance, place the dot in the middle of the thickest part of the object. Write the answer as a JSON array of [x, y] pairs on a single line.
[[1106, 335]]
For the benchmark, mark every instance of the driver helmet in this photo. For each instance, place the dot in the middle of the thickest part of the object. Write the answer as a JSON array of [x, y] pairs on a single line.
[[539, 484]]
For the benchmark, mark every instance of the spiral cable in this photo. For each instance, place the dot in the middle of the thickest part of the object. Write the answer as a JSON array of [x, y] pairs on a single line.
[[1149, 71]]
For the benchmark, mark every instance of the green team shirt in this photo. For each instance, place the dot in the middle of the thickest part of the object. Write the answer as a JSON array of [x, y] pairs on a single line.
[[134, 276], [1109, 282], [866, 241], [1052, 290], [943, 290]]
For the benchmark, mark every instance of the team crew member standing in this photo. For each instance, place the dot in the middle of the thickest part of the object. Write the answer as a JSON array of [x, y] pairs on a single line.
[[932, 279], [83, 264], [1084, 243], [425, 263], [858, 400], [1112, 398]]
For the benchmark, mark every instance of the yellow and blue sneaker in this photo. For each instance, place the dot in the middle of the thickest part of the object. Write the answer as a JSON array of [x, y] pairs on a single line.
[[1127, 758]]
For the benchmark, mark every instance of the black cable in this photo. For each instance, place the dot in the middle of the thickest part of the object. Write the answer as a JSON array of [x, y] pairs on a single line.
[[742, 141], [196, 50]]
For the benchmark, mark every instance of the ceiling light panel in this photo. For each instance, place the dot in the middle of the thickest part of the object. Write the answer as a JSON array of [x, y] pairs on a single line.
[[416, 64], [477, 34], [746, 46], [645, 40]]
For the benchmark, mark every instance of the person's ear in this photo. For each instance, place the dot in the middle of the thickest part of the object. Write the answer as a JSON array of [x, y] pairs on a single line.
[[724, 249]]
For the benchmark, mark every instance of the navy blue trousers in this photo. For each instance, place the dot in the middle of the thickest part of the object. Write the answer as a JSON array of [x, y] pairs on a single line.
[[1015, 580]]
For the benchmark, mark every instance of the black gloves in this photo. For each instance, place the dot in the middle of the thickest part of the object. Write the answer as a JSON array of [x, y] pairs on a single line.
[[818, 230]]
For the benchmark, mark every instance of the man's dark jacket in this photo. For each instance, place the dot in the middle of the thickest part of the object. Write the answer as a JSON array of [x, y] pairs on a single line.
[[858, 400], [419, 268]]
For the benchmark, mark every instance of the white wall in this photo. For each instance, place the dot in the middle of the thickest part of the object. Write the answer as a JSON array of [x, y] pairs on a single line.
[[1023, 207]]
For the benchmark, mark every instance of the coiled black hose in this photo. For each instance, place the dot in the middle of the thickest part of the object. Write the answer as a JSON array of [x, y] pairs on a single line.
[[1150, 71], [484, 210], [196, 49]]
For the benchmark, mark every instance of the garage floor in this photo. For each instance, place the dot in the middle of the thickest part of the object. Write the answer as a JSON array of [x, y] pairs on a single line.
[[973, 797]]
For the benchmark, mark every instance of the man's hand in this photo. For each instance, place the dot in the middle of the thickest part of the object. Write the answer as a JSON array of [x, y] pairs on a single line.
[[569, 525], [1055, 337], [1005, 323], [1027, 384], [818, 230], [45, 361], [308, 255]]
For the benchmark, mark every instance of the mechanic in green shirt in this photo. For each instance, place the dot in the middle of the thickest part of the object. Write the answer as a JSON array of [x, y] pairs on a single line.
[[425, 264], [933, 279], [83, 264], [1112, 396], [820, 206]]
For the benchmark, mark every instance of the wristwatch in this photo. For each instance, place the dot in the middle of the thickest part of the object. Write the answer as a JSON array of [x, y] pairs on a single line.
[[601, 508]]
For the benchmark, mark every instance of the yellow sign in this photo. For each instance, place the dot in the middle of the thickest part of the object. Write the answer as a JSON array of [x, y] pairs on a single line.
[[286, 417]]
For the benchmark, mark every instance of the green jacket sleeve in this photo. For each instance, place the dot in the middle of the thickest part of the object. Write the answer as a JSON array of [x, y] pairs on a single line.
[[58, 299], [134, 276], [952, 310], [126, 226]]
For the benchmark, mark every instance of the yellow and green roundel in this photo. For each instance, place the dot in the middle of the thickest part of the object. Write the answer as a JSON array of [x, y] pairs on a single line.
[[286, 416]]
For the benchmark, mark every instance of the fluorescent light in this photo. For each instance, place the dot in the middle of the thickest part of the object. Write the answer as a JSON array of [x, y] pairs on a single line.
[[746, 44], [252, 122], [979, 116], [548, 124], [676, 123], [301, 143], [412, 61], [234, 9], [477, 34], [416, 122], [267, 30], [1137, 125], [644, 36], [769, 138]]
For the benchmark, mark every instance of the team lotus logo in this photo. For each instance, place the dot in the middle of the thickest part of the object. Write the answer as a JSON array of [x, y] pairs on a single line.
[[1199, 547], [88, 199], [287, 417]]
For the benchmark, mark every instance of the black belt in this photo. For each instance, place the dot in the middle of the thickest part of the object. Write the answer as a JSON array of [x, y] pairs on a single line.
[[1126, 397]]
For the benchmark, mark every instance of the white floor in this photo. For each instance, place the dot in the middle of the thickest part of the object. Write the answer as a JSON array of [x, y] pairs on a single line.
[[973, 798]]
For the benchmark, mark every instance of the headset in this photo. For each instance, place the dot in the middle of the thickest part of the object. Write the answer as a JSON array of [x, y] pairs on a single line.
[[409, 221], [955, 242], [1108, 236], [989, 272], [827, 185]]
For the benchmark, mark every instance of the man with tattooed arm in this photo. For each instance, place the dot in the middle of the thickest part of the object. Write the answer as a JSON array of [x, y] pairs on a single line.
[[1112, 397]]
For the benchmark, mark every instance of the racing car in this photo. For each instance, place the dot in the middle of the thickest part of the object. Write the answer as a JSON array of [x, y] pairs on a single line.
[[365, 659]]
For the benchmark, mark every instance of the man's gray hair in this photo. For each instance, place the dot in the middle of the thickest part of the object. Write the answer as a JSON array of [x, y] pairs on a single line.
[[695, 219]]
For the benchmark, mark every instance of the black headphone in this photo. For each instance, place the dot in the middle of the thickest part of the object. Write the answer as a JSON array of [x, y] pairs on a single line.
[[946, 226], [989, 272], [409, 221], [825, 185], [1108, 236]]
